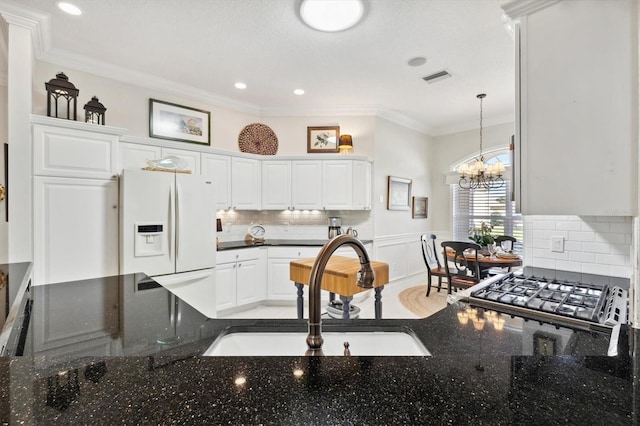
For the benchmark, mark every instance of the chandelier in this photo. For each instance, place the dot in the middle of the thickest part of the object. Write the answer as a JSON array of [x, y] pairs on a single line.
[[478, 175]]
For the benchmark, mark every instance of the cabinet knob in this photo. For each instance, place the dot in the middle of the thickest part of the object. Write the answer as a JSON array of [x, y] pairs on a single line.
[[115, 206]]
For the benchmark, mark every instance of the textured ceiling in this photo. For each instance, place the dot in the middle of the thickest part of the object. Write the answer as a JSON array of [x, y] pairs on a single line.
[[208, 45]]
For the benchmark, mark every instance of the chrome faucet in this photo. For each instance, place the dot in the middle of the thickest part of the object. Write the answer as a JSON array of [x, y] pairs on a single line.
[[365, 280]]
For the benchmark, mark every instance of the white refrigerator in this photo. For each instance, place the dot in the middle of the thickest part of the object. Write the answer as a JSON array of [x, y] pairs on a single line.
[[168, 231]]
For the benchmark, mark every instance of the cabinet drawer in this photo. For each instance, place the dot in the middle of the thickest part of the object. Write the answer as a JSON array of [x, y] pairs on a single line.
[[294, 252], [237, 255]]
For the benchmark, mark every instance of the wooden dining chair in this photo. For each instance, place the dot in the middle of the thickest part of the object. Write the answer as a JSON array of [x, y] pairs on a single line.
[[430, 256], [511, 242], [502, 238], [461, 263]]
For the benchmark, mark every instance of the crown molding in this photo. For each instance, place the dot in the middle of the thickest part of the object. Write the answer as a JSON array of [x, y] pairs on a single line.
[[517, 8], [473, 125]]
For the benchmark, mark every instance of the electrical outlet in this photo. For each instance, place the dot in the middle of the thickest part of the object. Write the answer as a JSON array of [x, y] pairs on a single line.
[[557, 244]]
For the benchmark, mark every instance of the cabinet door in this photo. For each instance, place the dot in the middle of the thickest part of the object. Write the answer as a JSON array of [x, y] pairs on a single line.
[[577, 126], [225, 285], [280, 286], [135, 156], [361, 185], [219, 168], [64, 152], [191, 157], [337, 189], [75, 229], [245, 184], [276, 185], [250, 285], [306, 185]]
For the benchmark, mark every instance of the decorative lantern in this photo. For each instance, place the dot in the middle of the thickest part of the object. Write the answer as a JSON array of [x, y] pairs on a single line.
[[94, 111], [61, 87], [345, 144]]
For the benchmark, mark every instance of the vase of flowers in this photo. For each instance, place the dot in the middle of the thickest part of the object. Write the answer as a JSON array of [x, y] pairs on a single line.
[[482, 235]]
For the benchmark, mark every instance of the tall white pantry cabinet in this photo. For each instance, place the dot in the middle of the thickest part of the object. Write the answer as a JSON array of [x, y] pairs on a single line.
[[75, 200]]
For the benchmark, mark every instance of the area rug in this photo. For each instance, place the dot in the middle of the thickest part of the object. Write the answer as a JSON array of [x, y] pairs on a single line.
[[416, 301]]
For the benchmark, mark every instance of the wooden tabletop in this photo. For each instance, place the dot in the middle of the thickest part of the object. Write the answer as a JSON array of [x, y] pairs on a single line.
[[340, 275], [491, 261]]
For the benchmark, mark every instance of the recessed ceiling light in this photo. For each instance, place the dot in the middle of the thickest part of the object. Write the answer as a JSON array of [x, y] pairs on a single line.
[[240, 85], [331, 15], [298, 92], [69, 8], [417, 61]]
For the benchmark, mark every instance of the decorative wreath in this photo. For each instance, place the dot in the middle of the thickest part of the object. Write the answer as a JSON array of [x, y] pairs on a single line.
[[258, 138]]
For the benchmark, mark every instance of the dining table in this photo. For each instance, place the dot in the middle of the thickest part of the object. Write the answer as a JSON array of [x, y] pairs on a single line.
[[495, 260]]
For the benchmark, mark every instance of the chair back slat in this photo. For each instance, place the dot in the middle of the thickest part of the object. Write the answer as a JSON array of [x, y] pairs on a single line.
[[461, 259], [511, 241], [429, 252]]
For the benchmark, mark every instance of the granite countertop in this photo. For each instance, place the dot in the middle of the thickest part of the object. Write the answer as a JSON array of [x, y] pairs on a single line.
[[124, 350]]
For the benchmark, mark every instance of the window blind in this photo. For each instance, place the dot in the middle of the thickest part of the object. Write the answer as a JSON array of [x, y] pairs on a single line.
[[491, 206]]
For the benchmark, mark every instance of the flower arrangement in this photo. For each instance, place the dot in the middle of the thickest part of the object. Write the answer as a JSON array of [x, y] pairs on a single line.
[[482, 235]]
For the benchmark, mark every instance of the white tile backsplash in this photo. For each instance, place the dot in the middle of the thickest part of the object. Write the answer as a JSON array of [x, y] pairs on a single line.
[[294, 225], [592, 244]]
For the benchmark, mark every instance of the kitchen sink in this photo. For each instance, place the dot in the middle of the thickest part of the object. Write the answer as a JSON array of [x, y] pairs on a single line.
[[257, 341]]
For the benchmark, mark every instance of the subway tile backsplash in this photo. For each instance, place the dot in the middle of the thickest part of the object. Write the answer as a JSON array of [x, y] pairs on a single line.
[[599, 245], [291, 224]]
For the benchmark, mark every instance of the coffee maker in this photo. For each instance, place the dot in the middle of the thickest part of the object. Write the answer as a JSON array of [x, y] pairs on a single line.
[[335, 226]]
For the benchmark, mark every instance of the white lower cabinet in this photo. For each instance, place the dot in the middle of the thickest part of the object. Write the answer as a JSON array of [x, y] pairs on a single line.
[[279, 286], [240, 277], [75, 229]]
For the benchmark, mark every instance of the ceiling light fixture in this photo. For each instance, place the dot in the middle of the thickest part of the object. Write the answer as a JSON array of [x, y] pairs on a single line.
[[240, 85], [69, 8], [331, 15], [417, 61], [298, 92], [477, 174]]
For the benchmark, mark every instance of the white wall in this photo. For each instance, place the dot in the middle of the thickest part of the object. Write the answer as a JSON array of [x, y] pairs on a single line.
[[405, 153], [451, 149]]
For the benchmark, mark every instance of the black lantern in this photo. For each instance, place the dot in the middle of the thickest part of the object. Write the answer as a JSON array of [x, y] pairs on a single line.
[[94, 111], [61, 87]]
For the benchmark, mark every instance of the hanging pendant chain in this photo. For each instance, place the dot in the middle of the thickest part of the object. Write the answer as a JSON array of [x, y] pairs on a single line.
[[481, 124]]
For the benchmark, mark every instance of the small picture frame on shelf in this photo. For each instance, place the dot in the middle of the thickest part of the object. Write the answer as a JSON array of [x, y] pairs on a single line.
[[398, 193], [419, 207], [323, 139], [179, 123]]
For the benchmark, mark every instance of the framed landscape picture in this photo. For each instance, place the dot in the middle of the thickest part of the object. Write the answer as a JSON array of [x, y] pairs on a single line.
[[323, 139], [179, 123]]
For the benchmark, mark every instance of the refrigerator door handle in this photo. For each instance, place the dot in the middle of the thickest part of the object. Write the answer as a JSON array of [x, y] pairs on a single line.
[[178, 221], [172, 224]]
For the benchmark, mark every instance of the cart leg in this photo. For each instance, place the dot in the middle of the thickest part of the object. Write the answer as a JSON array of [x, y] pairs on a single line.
[[300, 300], [346, 306]]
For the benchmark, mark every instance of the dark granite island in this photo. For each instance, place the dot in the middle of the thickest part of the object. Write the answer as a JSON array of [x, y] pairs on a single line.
[[123, 350]]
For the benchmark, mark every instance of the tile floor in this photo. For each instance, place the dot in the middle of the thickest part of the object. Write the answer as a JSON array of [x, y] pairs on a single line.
[[391, 306]]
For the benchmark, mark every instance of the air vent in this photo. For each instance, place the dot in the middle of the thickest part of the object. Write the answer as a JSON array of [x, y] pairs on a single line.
[[440, 75]]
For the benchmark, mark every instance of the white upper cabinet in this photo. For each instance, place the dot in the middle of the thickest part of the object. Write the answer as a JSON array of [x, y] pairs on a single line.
[[246, 188], [576, 127], [361, 185], [218, 167], [306, 185], [191, 158], [135, 156], [276, 185], [74, 152], [337, 185]]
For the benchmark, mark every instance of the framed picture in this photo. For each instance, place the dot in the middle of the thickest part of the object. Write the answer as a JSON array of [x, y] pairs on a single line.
[[323, 139], [398, 193], [179, 123], [419, 206]]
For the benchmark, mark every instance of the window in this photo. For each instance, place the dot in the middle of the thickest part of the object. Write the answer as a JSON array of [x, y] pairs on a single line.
[[492, 206]]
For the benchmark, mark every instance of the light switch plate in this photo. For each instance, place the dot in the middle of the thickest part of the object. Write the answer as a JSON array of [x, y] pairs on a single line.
[[557, 244]]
